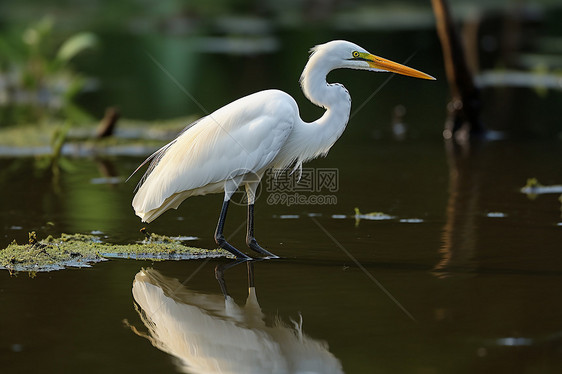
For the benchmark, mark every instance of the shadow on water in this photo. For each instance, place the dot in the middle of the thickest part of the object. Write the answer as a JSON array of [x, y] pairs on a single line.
[[210, 333]]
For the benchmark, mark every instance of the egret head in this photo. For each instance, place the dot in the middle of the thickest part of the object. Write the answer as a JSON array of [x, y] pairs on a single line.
[[343, 54]]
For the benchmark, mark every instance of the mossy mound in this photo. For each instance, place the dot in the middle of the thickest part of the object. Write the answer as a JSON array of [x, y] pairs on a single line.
[[80, 250]]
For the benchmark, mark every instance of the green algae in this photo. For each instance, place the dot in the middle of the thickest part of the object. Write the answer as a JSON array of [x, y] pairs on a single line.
[[80, 250], [533, 188], [373, 216]]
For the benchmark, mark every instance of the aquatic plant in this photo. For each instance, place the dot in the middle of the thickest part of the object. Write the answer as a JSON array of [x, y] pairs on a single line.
[[37, 83], [81, 250]]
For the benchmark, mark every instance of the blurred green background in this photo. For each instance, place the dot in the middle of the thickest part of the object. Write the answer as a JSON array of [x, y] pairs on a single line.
[[220, 50]]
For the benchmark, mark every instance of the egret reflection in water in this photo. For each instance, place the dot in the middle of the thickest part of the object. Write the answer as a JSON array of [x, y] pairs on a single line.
[[212, 334]]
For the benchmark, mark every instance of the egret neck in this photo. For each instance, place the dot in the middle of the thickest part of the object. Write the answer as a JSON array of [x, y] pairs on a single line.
[[321, 134]]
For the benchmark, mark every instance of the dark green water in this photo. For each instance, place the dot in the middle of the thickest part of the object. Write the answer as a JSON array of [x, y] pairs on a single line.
[[479, 269]]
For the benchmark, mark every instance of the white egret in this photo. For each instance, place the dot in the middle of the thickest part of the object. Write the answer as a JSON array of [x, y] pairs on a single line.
[[237, 143], [210, 333]]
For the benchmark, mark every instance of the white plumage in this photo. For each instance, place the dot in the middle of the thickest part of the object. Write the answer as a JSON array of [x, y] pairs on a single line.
[[210, 334], [239, 138], [236, 144]]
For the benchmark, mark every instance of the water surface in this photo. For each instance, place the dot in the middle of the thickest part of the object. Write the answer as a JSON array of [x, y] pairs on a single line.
[[469, 265]]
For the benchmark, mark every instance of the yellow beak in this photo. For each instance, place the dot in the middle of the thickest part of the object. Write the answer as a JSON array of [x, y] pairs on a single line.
[[394, 67]]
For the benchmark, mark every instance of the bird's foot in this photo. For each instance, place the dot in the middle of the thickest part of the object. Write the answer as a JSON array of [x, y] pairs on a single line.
[[254, 246], [221, 241]]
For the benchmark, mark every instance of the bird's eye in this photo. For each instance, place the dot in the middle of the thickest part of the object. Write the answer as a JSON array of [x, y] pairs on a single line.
[[355, 54]]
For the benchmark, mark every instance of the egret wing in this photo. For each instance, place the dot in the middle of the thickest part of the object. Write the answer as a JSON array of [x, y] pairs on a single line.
[[242, 137]]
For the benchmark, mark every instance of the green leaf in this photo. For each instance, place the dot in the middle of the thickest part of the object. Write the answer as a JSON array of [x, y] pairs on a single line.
[[76, 44]]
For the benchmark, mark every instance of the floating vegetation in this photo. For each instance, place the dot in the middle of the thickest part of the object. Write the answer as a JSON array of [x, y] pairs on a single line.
[[373, 216], [358, 216], [80, 250], [534, 188]]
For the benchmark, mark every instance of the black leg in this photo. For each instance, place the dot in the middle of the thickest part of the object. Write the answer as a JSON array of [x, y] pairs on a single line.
[[250, 239], [250, 265], [219, 274], [219, 237]]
